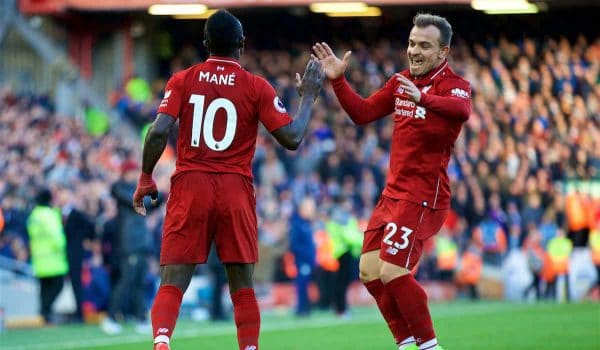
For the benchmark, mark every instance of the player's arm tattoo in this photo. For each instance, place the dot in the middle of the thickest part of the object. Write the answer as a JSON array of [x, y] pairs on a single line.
[[156, 141]]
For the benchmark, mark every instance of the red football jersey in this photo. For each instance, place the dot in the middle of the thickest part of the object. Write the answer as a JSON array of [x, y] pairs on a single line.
[[219, 105], [424, 133]]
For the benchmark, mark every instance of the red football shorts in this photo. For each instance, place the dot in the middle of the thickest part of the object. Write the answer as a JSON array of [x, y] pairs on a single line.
[[206, 207], [399, 228]]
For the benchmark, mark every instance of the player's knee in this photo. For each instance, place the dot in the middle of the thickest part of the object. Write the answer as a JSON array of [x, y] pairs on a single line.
[[176, 275], [369, 267], [368, 275], [239, 276], [389, 272]]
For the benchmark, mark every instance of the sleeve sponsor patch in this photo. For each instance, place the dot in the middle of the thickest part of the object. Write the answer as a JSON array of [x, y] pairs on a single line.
[[459, 93], [279, 105], [165, 100]]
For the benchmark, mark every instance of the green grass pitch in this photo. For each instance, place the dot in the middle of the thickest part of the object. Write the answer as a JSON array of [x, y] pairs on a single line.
[[464, 326]]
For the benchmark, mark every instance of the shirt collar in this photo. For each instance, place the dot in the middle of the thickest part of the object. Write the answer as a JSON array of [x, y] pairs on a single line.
[[428, 78], [226, 60]]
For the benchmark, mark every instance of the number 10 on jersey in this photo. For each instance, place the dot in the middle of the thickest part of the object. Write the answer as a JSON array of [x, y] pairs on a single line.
[[200, 123]]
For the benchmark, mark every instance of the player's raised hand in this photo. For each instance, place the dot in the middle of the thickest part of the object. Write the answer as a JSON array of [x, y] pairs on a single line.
[[145, 187], [410, 89], [332, 65], [312, 79]]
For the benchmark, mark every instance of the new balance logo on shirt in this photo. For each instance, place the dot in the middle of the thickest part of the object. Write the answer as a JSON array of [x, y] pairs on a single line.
[[250, 347], [459, 93]]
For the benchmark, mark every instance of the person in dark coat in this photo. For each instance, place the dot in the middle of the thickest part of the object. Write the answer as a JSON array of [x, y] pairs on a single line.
[[302, 246], [135, 244]]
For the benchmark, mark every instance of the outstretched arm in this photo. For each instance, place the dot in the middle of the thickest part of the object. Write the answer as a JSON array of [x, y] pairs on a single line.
[[363, 110], [360, 110], [290, 136]]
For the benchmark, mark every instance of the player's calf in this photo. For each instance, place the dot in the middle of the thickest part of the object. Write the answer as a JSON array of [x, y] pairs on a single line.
[[411, 300], [165, 311], [247, 318]]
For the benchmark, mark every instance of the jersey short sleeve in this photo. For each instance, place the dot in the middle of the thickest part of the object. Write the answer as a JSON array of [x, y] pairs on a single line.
[[173, 99], [271, 111]]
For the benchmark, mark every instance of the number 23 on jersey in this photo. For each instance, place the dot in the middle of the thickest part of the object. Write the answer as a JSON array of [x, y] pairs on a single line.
[[204, 122]]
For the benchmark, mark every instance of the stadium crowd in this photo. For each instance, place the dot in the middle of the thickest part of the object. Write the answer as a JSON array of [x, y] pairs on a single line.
[[535, 127]]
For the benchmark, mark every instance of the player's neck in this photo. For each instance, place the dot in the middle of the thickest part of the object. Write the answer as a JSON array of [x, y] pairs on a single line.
[[233, 55]]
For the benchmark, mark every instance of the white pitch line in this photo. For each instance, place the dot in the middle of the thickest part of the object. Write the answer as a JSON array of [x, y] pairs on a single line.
[[268, 327]]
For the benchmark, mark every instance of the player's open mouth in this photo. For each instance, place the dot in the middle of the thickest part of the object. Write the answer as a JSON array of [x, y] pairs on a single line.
[[417, 62]]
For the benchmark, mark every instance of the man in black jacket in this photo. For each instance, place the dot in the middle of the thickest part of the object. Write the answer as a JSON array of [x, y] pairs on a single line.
[[78, 228], [135, 244]]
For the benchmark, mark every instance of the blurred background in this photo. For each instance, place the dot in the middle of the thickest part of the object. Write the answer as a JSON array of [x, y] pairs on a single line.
[[80, 81]]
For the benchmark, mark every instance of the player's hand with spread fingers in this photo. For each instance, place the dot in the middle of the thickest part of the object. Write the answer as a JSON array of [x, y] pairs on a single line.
[[312, 80], [332, 65], [410, 89], [145, 187]]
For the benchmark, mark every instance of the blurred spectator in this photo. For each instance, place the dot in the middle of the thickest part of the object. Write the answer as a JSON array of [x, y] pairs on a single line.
[[96, 284], [595, 247], [469, 270], [559, 252], [327, 263], [135, 244], [491, 239], [78, 229], [535, 260], [446, 255], [578, 210], [48, 251], [548, 227], [303, 249], [12, 245], [347, 242], [109, 226], [218, 281]]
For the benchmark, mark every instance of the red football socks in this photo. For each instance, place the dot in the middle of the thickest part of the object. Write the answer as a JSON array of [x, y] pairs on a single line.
[[164, 312], [247, 318], [387, 306], [411, 300]]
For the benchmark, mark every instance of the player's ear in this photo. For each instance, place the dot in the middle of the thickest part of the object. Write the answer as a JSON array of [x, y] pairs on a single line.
[[241, 45], [206, 44], [444, 52]]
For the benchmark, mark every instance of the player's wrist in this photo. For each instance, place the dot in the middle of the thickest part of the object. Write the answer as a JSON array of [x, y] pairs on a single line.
[[339, 78], [146, 179], [418, 97]]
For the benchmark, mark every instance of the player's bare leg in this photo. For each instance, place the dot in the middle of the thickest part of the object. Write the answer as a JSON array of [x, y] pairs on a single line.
[[174, 280], [245, 306], [411, 300], [369, 275]]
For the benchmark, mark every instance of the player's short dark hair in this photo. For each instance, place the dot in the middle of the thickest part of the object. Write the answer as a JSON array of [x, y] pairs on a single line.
[[223, 33], [423, 20]]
